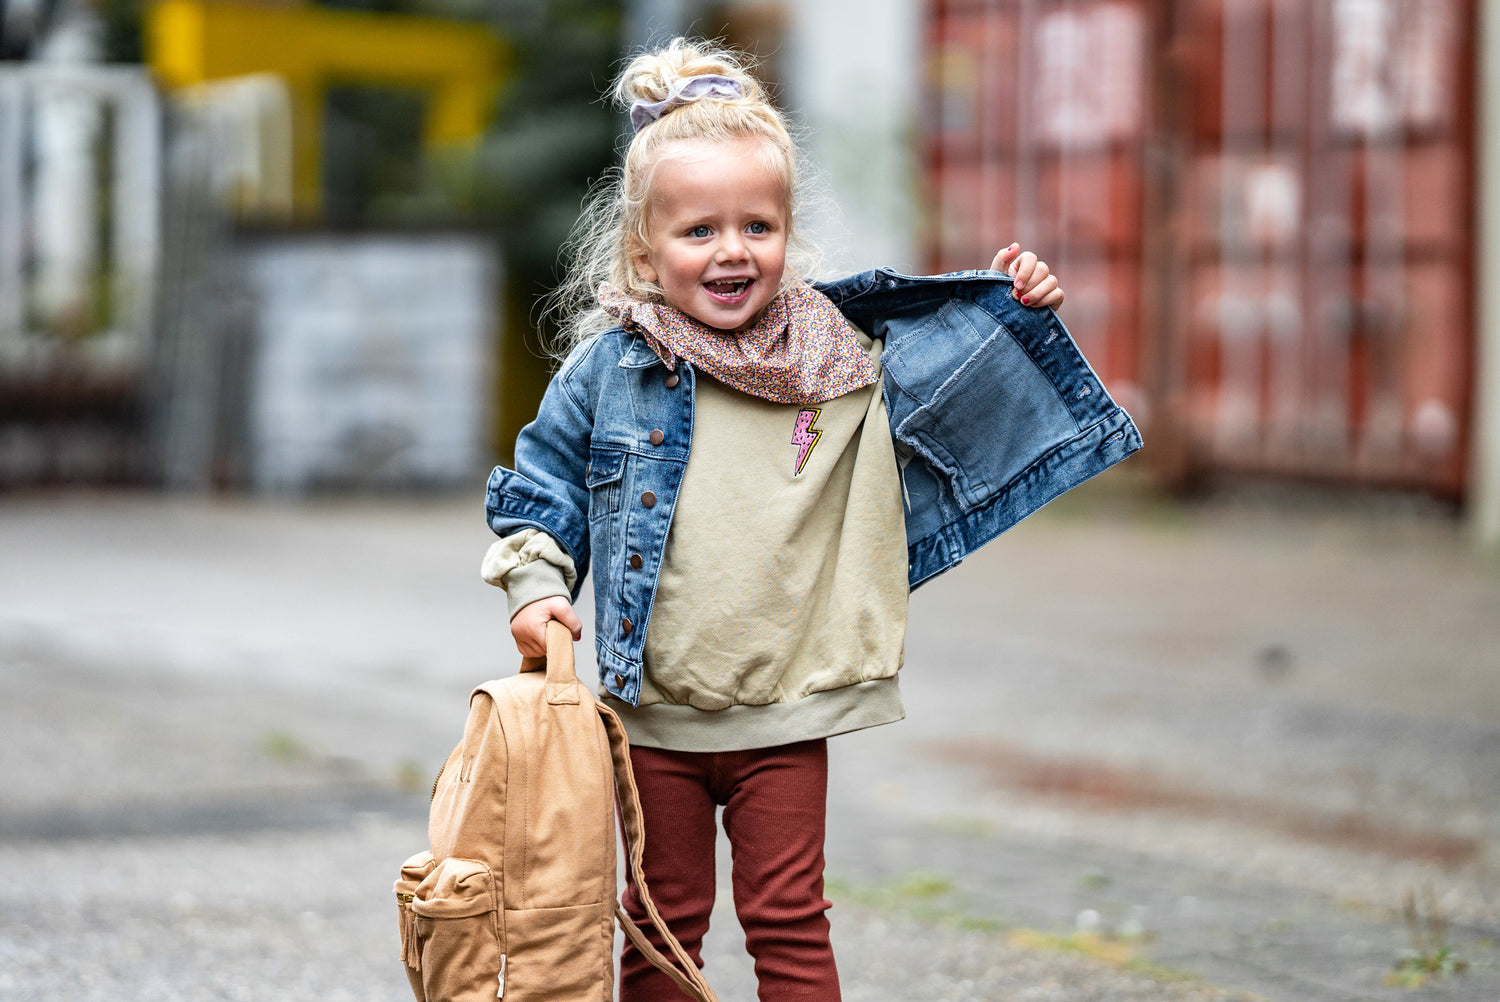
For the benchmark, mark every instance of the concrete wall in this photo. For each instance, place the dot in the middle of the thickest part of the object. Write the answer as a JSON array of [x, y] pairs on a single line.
[[371, 359]]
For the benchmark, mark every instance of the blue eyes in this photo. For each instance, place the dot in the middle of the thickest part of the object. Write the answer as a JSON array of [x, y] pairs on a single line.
[[758, 229]]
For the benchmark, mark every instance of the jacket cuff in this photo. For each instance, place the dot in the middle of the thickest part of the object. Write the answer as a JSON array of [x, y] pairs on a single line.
[[532, 582]]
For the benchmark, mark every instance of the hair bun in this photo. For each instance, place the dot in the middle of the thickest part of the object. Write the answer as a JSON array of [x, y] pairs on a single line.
[[651, 76]]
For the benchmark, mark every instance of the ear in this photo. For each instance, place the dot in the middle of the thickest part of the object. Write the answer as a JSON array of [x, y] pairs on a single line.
[[643, 268]]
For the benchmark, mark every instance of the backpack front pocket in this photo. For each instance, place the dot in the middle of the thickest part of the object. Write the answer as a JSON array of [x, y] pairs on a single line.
[[457, 922], [413, 872], [562, 953]]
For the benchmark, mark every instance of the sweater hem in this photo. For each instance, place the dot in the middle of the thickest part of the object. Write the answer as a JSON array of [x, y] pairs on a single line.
[[741, 728]]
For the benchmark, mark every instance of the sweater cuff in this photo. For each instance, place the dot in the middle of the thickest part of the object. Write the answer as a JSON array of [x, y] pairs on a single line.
[[532, 582], [521, 548]]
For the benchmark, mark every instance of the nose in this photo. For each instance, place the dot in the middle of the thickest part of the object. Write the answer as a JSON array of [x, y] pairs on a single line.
[[731, 248]]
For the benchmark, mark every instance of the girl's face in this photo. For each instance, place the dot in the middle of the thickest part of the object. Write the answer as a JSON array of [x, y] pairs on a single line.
[[716, 230]]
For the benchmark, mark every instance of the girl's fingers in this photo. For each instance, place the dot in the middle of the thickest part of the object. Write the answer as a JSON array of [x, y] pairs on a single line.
[[1021, 269], [527, 645], [1038, 274], [571, 621], [561, 610], [1003, 259], [530, 633], [1044, 293], [530, 625]]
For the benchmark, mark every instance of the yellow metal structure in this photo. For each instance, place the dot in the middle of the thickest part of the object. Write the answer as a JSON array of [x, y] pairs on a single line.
[[457, 65]]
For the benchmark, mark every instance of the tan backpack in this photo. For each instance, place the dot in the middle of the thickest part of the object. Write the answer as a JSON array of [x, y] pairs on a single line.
[[516, 899]]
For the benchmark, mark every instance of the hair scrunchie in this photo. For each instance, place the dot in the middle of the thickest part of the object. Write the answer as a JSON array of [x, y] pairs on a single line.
[[685, 90]]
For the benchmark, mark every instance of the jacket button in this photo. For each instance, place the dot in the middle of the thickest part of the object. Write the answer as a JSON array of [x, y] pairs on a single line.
[[636, 561], [626, 626], [671, 380], [657, 437], [619, 681], [648, 499]]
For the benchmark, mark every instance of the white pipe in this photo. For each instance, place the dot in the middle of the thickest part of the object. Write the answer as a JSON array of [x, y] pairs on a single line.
[[12, 220], [1484, 477]]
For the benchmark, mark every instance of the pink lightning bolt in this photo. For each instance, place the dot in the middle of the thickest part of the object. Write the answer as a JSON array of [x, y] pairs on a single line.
[[805, 435]]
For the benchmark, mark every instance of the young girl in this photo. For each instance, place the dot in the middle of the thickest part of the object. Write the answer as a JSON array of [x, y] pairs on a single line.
[[760, 470]]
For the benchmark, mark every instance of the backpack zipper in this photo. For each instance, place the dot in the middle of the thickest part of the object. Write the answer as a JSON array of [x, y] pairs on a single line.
[[501, 993], [433, 795]]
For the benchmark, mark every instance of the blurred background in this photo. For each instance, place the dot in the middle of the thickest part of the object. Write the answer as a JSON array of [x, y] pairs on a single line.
[[219, 219], [269, 286]]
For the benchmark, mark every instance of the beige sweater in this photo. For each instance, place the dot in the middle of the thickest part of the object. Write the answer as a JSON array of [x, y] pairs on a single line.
[[780, 610]]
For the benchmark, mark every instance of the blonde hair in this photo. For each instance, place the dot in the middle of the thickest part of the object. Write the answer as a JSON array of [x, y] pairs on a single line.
[[612, 228]]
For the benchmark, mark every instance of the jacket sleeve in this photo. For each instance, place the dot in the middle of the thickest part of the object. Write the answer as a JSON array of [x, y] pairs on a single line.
[[547, 489]]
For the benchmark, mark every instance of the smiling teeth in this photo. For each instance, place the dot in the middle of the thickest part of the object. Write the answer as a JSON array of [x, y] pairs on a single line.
[[729, 288]]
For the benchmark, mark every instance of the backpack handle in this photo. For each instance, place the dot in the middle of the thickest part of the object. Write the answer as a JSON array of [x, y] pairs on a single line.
[[562, 680]]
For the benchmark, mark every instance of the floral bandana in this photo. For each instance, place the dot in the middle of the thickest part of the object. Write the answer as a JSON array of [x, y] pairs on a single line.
[[800, 351]]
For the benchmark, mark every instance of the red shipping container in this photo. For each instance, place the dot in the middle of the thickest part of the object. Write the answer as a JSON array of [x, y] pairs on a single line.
[[1306, 222], [1093, 200]]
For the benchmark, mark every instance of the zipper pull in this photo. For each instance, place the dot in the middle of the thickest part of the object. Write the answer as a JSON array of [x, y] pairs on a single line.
[[501, 993]]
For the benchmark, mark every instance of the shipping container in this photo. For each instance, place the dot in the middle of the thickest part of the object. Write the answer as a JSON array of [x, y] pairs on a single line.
[[1261, 212]]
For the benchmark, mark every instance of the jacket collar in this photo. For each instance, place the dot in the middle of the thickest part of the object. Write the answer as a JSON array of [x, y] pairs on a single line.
[[639, 355]]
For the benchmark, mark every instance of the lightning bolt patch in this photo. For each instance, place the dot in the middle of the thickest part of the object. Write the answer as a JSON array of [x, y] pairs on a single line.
[[806, 436]]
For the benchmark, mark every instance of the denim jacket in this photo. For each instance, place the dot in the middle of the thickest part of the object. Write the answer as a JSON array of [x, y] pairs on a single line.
[[993, 410]]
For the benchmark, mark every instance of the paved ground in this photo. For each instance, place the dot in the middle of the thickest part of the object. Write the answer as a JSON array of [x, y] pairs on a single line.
[[1153, 751]]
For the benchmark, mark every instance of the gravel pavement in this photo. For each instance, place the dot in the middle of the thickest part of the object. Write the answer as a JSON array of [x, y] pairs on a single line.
[[1153, 751]]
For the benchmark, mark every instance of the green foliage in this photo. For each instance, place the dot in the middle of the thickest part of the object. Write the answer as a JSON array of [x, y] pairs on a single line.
[[410, 776], [1093, 880], [1431, 956], [123, 40], [283, 747], [1413, 970], [922, 895], [373, 170], [553, 133]]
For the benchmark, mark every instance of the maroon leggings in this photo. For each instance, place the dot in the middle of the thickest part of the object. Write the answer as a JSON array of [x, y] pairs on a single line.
[[775, 801]]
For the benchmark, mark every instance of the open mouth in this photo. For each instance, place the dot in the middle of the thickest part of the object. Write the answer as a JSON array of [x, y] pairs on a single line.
[[731, 289]]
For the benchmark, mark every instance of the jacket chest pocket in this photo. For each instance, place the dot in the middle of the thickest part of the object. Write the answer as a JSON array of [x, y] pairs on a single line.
[[605, 480]]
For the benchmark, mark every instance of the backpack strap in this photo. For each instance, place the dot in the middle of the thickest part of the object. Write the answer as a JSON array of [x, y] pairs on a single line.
[[684, 973]]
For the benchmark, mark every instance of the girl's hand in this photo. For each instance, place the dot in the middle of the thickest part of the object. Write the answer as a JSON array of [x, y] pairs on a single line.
[[529, 626], [1035, 286]]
